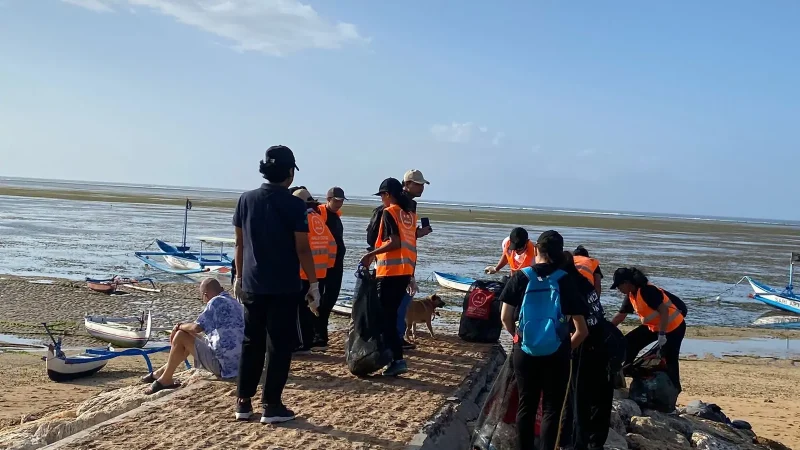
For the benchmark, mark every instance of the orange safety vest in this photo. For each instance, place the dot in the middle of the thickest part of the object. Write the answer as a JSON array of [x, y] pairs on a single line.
[[586, 266], [323, 212], [323, 246], [530, 254], [651, 317], [402, 261]]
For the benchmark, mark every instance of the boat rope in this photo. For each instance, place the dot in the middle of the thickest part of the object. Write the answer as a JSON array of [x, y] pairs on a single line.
[[718, 297]]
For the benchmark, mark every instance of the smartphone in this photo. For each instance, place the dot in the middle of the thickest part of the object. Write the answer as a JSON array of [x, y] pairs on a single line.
[[425, 222]]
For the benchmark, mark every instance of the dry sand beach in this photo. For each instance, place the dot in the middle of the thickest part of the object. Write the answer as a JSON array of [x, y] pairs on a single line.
[[337, 410]]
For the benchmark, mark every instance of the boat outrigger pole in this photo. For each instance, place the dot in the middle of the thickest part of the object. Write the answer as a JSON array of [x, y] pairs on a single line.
[[185, 222], [795, 259]]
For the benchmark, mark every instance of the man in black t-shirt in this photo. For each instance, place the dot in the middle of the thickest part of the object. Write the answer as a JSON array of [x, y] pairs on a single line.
[[271, 245], [532, 381]]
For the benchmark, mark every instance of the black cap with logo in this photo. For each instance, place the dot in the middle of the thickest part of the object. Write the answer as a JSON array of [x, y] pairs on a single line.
[[336, 193], [282, 156]]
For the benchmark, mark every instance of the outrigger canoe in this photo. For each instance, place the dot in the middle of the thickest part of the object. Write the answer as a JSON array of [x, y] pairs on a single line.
[[125, 332], [784, 299], [451, 281]]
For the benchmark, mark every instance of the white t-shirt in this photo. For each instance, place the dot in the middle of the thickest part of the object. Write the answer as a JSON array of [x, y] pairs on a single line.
[[517, 257]]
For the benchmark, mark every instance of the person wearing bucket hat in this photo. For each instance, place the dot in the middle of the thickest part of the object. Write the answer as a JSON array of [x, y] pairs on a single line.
[[395, 255], [548, 298], [518, 252], [662, 315]]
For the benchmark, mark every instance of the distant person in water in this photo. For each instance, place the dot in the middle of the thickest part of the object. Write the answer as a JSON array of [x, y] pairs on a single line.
[[222, 322]]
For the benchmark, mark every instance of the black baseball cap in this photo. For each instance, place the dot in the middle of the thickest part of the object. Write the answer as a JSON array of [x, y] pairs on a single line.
[[391, 186], [281, 155], [336, 193], [550, 242], [518, 238], [621, 275]]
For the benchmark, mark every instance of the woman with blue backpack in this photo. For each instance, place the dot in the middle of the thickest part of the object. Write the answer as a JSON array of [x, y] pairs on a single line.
[[548, 299]]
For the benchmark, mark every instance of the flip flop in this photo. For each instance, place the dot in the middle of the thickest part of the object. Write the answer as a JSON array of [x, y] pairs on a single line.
[[149, 378], [157, 386]]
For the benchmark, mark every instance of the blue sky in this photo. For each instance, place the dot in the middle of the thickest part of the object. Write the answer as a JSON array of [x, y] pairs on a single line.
[[674, 107]]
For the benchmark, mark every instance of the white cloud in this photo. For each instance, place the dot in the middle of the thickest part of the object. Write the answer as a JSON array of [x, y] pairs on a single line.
[[498, 137], [274, 27], [483, 129], [94, 5], [455, 132]]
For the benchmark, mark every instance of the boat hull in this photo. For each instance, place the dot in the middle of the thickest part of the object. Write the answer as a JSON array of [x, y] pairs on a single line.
[[343, 306], [105, 288], [453, 282], [117, 334], [59, 370], [775, 298]]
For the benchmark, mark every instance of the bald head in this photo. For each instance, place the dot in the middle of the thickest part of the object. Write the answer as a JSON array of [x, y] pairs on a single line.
[[210, 288]]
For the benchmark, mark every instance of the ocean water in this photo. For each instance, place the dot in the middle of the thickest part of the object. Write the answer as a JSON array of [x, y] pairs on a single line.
[[75, 239]]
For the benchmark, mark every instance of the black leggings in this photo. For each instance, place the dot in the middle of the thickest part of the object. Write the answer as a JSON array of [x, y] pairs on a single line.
[[391, 291], [548, 377], [641, 336]]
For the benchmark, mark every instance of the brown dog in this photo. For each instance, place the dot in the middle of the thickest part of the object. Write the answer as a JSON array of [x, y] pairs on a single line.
[[422, 311]]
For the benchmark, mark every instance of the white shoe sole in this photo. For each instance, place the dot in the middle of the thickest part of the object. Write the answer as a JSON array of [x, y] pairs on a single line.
[[244, 416], [270, 420]]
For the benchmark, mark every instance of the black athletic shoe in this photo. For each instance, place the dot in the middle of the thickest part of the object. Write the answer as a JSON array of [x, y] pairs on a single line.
[[408, 345], [244, 409], [276, 414]]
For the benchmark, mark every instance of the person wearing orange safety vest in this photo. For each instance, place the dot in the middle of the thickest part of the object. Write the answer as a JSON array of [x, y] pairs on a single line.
[[395, 256], [323, 251], [588, 267], [331, 212], [662, 315], [518, 252]]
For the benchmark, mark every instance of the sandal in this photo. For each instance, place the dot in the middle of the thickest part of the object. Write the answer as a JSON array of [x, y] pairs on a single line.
[[149, 378], [157, 386]]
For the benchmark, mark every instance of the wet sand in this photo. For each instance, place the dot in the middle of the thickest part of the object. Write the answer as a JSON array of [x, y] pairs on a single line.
[[436, 213]]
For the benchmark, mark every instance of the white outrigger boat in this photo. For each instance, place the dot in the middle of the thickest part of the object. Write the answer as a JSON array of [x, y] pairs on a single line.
[[455, 282], [786, 299], [119, 331], [180, 260]]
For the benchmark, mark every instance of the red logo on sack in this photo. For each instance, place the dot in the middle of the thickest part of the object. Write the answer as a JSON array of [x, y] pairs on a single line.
[[479, 304]]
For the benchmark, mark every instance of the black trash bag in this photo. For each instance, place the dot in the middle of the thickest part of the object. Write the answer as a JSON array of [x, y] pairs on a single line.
[[651, 387], [654, 392], [480, 312], [614, 342], [496, 428], [710, 411], [365, 347]]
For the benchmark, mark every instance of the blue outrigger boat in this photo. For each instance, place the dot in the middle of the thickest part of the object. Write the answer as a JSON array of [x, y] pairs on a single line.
[[61, 367], [786, 299], [180, 260]]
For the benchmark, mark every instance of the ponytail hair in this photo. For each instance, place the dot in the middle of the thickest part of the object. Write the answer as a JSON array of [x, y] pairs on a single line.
[[569, 262], [402, 201], [638, 278]]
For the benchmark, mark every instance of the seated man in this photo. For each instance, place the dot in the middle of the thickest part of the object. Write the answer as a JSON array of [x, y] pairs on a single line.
[[222, 321]]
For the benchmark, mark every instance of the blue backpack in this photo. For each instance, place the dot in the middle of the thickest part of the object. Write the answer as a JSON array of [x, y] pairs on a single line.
[[542, 326]]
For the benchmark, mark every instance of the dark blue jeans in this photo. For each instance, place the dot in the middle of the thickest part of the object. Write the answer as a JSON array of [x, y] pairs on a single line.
[[401, 315]]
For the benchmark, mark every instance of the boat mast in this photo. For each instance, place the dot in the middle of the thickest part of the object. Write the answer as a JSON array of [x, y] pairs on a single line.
[[795, 258], [185, 222]]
